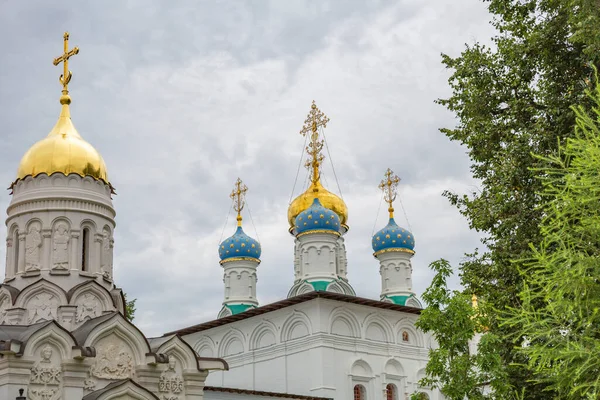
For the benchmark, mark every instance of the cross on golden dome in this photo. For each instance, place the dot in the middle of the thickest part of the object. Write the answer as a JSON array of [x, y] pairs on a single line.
[[315, 119], [65, 78], [238, 195], [389, 185]]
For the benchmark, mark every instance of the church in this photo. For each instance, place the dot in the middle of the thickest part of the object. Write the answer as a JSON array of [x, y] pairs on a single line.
[[64, 329]]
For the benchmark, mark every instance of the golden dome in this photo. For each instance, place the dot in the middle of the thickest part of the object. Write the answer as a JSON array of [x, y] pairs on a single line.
[[327, 199], [64, 151]]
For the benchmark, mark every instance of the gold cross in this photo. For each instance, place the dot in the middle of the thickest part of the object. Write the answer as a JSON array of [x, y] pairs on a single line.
[[389, 185], [238, 195], [314, 120], [65, 78]]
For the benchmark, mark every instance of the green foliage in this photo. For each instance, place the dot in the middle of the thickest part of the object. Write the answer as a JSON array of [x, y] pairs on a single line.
[[560, 302], [456, 368], [129, 308], [513, 99]]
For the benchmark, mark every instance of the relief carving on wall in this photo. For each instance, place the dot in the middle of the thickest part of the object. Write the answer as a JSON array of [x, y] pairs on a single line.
[[33, 244], [4, 306], [170, 384], [113, 362], [107, 253], [60, 247], [45, 378], [87, 308], [43, 306]]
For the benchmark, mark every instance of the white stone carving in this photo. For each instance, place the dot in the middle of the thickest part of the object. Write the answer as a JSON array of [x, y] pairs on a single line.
[[4, 306], [60, 250], [33, 243], [170, 384], [88, 307], [45, 378], [43, 306], [89, 384], [107, 251], [113, 362]]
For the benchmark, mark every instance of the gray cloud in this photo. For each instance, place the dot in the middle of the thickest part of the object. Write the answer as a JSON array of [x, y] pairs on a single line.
[[182, 98]]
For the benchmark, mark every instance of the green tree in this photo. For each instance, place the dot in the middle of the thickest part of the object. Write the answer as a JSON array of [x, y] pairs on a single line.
[[129, 308], [559, 315], [456, 367], [513, 99]]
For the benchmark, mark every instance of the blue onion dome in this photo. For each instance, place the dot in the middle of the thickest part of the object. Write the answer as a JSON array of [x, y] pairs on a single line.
[[239, 245], [393, 238], [317, 218]]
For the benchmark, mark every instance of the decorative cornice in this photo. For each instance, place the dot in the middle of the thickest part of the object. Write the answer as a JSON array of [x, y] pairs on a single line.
[[393, 249], [60, 204], [231, 259], [327, 231]]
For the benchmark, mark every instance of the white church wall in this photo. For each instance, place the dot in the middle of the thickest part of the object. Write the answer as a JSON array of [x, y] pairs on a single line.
[[321, 347]]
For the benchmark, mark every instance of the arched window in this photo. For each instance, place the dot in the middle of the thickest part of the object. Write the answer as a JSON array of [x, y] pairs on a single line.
[[15, 246], [85, 249], [359, 392], [391, 392]]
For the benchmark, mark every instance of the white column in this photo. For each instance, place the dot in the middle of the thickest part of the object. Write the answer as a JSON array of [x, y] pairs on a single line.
[[46, 261], [22, 252], [75, 251]]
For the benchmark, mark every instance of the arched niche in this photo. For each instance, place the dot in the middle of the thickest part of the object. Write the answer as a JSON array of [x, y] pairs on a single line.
[[295, 326], [343, 323], [116, 337], [61, 242], [184, 354], [378, 329], [92, 300], [232, 343], [59, 339], [264, 335], [41, 299], [205, 347]]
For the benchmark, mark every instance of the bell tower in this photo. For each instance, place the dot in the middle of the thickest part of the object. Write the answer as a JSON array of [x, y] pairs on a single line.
[[61, 220]]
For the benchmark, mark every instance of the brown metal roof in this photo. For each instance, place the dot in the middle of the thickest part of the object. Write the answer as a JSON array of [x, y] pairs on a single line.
[[290, 302], [266, 394]]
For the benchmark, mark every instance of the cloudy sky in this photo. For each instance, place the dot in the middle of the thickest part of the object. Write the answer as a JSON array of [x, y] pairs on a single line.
[[183, 97]]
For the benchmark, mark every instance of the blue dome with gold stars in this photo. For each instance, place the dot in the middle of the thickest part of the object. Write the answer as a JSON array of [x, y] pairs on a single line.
[[393, 237], [317, 218], [239, 245]]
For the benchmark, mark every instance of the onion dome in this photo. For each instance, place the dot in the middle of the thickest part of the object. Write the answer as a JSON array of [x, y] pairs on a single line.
[[393, 238], [317, 218], [63, 150], [239, 246], [326, 199]]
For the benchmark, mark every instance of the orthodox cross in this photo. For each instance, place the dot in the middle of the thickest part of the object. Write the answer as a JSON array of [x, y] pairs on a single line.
[[314, 120], [238, 195], [65, 78], [389, 185]]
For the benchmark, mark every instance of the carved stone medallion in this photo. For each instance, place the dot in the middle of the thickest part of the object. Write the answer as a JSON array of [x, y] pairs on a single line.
[[170, 384], [113, 362], [88, 307], [43, 306], [45, 378]]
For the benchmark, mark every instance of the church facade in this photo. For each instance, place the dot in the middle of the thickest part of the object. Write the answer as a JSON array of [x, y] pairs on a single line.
[[64, 332], [322, 340]]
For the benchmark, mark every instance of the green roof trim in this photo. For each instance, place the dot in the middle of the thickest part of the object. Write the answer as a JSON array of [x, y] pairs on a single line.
[[239, 308], [400, 300], [320, 285]]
